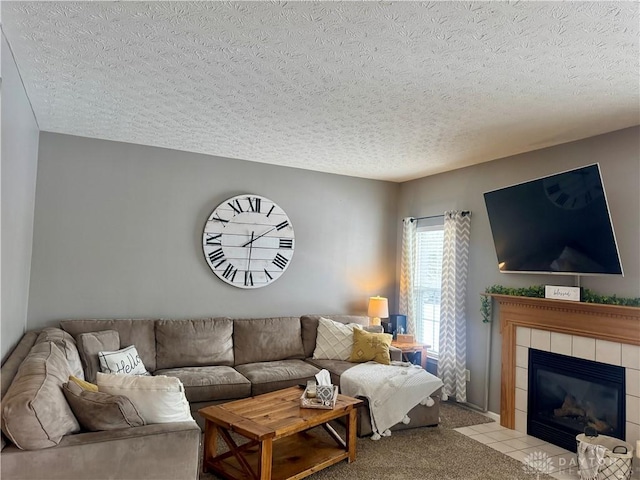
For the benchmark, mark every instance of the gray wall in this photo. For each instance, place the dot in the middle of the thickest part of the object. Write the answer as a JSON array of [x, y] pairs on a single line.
[[118, 228], [618, 154], [19, 166]]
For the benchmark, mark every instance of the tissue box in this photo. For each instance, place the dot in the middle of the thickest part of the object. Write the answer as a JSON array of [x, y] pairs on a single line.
[[326, 396]]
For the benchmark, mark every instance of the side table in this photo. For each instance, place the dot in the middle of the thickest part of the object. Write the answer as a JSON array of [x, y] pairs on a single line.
[[413, 347]]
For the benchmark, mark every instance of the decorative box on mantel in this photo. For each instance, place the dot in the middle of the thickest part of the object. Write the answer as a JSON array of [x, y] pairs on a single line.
[[608, 334]]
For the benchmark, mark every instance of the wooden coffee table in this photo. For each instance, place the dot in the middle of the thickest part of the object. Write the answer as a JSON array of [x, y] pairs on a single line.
[[280, 445]]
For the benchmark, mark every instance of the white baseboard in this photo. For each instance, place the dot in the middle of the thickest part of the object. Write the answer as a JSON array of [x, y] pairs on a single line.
[[493, 416]]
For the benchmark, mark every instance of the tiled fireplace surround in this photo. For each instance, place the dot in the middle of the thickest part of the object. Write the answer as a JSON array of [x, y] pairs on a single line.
[[603, 333]]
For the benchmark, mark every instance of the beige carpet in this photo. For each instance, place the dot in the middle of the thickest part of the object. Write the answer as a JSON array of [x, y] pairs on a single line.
[[428, 453]]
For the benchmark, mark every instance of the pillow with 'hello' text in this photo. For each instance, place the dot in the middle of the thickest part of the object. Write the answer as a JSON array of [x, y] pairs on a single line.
[[122, 362]]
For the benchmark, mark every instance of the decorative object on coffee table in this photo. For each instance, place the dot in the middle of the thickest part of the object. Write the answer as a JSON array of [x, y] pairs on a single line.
[[280, 441], [325, 397]]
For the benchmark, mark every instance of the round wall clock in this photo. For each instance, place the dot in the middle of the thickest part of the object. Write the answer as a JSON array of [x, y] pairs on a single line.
[[248, 241]]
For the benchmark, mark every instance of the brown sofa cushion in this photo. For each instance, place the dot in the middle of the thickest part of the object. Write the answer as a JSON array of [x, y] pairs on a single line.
[[269, 376], [193, 343], [97, 411], [140, 333], [267, 339], [92, 343], [35, 413], [207, 384], [309, 325], [334, 367], [66, 344]]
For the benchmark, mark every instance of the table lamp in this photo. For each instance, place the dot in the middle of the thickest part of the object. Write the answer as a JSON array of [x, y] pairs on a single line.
[[378, 308]]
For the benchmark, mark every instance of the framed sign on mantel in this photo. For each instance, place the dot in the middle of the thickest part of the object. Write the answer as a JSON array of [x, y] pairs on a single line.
[[248, 241]]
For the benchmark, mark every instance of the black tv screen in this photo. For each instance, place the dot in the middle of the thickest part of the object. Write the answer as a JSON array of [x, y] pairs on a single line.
[[556, 224]]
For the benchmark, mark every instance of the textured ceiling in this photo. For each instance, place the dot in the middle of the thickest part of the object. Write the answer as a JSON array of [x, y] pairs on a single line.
[[381, 90]]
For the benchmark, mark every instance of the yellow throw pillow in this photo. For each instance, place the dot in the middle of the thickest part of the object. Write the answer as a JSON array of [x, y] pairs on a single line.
[[91, 387], [370, 346]]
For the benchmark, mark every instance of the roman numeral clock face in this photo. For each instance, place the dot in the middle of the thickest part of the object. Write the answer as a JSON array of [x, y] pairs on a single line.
[[248, 241]]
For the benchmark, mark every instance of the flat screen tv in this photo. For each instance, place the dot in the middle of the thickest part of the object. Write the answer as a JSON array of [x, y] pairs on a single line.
[[558, 224]]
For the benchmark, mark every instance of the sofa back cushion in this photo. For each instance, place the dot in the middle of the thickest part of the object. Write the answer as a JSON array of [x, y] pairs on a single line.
[[35, 413], [267, 339], [309, 325], [194, 343], [140, 332], [66, 344]]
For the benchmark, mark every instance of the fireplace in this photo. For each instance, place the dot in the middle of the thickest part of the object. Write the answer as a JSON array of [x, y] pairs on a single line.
[[568, 394]]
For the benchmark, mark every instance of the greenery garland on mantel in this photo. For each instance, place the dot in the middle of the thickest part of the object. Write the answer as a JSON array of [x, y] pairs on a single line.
[[537, 291]]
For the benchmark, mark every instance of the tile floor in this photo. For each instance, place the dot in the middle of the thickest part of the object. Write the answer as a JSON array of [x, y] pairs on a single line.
[[556, 462]]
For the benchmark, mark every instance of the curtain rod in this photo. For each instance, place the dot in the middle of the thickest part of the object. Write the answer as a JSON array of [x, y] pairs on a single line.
[[463, 213]]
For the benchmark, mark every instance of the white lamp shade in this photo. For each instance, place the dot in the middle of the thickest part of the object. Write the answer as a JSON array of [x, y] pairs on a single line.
[[378, 307]]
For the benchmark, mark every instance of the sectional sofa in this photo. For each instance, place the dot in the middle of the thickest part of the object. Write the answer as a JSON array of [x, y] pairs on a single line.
[[216, 359]]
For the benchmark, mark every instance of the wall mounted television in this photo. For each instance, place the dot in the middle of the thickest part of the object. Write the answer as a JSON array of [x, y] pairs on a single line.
[[558, 224]]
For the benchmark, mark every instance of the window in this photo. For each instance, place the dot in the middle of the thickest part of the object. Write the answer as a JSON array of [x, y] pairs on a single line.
[[428, 284]]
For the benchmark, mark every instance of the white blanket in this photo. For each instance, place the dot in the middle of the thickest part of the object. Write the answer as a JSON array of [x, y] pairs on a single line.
[[392, 390]]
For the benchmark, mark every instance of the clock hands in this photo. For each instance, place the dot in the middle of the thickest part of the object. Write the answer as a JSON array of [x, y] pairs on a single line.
[[248, 276], [254, 239], [250, 250]]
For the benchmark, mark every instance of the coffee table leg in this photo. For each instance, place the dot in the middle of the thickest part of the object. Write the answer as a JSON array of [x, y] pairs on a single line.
[[266, 459], [210, 443], [351, 435]]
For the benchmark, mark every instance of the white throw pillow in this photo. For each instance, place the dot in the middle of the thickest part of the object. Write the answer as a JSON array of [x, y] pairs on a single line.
[[122, 362], [334, 340], [159, 399]]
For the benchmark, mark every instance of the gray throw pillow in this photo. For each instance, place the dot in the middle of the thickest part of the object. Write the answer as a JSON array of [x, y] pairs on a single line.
[[98, 411], [90, 344]]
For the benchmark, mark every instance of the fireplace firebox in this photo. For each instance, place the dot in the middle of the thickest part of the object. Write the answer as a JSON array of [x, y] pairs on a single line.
[[568, 394]]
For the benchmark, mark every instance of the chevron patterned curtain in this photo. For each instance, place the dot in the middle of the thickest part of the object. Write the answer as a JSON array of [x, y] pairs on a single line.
[[452, 361], [407, 271]]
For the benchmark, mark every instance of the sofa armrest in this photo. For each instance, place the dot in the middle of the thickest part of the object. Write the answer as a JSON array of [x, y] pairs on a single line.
[[373, 329], [395, 354], [118, 454]]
